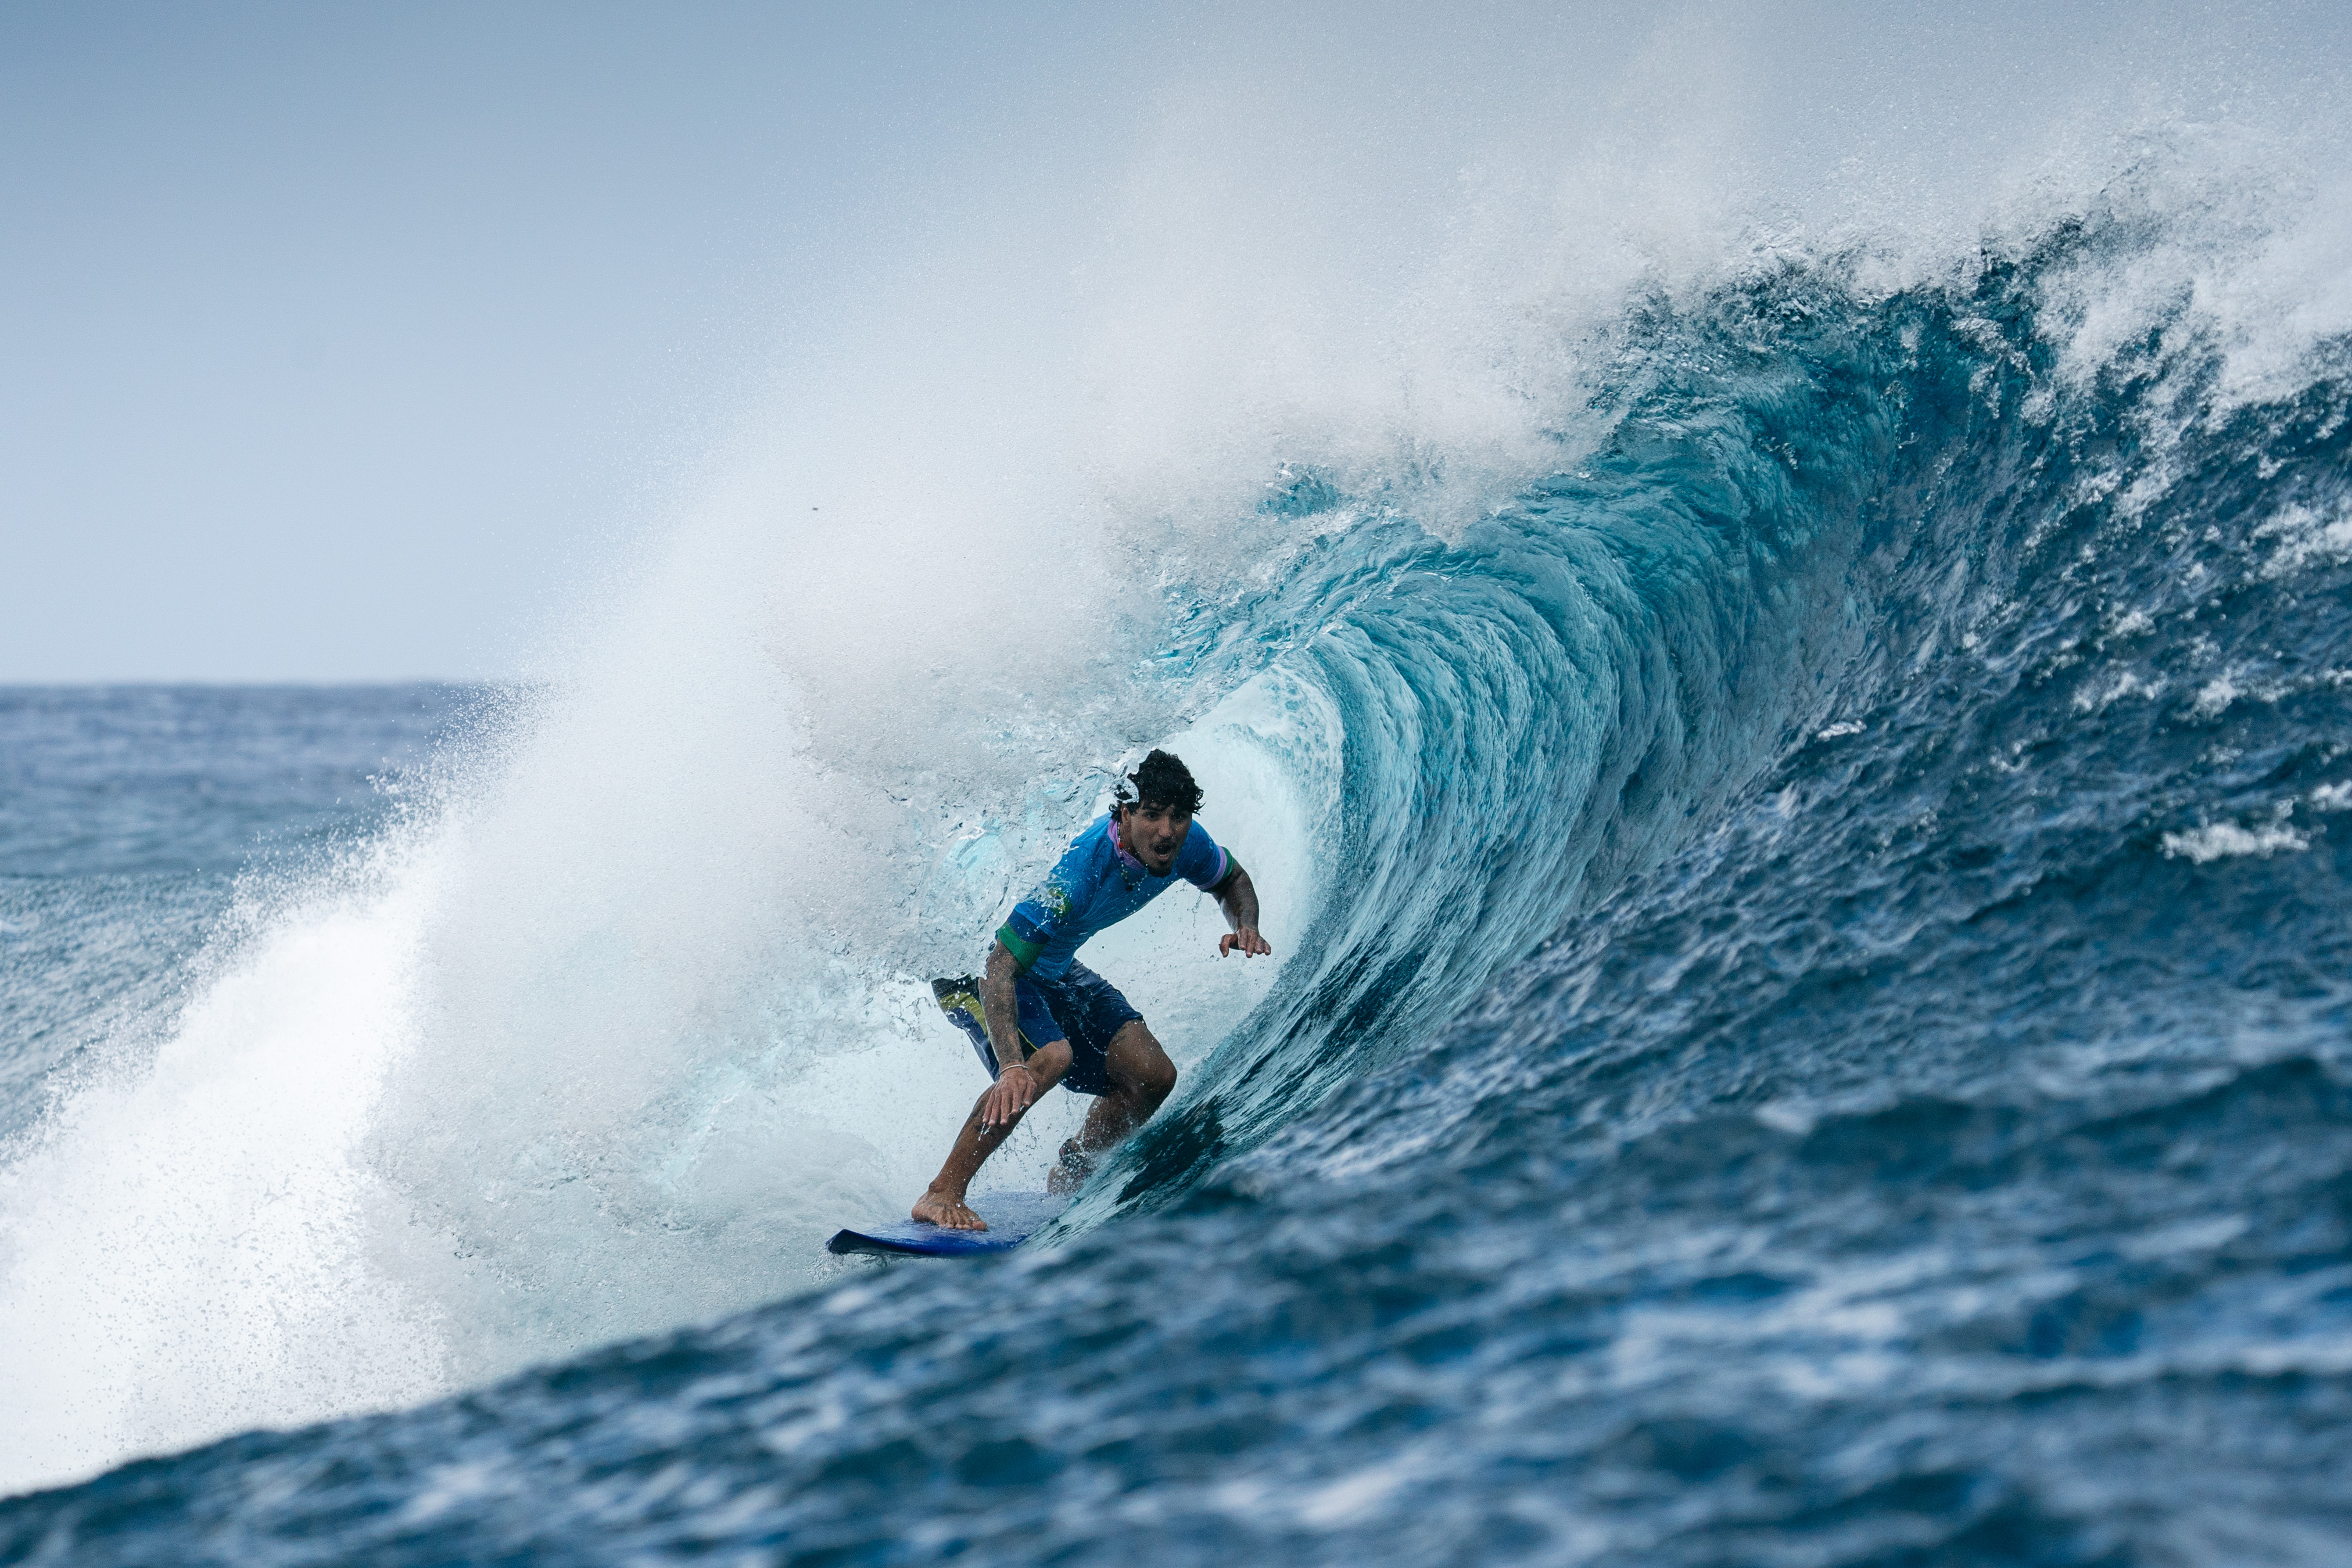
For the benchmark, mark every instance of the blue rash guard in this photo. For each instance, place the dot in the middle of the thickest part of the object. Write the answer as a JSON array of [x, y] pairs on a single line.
[[1097, 883]]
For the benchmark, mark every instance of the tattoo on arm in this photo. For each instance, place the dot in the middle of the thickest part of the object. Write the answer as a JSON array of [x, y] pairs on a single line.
[[1003, 1012], [1238, 898]]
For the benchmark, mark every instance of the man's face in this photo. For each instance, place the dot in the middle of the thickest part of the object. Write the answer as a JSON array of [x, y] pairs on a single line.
[[1153, 834]]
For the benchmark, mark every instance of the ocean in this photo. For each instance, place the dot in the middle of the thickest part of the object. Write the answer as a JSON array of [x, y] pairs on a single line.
[[1808, 1023]]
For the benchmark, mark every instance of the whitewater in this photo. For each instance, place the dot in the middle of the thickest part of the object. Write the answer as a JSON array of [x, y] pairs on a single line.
[[1794, 753]]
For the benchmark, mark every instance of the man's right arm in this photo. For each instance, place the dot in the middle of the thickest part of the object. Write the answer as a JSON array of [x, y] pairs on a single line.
[[1002, 1009], [1016, 1088]]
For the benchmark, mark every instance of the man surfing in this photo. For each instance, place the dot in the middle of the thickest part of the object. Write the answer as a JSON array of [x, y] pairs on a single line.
[[1081, 1034]]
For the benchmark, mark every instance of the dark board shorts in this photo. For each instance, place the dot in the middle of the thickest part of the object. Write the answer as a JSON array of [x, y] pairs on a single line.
[[1082, 1007]]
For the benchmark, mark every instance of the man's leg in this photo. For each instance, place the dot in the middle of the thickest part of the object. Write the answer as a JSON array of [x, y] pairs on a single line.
[[1142, 1079], [944, 1204]]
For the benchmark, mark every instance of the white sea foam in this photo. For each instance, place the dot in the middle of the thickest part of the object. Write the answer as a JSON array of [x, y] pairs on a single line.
[[2214, 698], [190, 1248], [2125, 683], [2305, 536], [2219, 840]]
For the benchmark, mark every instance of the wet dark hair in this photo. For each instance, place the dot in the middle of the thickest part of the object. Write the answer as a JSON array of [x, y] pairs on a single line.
[[1161, 781]]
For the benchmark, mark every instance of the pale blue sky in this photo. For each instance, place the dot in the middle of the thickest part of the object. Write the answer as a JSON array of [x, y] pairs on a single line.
[[340, 337]]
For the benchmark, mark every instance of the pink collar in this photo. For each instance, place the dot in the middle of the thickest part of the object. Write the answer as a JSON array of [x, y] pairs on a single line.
[[1121, 848]]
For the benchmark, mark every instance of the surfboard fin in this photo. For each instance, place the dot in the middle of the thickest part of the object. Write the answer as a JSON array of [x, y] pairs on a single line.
[[959, 999]]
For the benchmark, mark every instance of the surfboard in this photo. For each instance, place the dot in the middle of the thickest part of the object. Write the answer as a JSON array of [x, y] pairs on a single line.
[[1012, 1218]]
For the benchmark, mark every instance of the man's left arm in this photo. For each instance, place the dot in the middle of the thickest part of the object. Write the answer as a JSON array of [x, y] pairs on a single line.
[[1237, 896]]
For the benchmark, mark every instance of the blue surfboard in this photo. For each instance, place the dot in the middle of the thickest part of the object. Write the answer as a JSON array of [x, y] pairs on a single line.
[[1012, 1218]]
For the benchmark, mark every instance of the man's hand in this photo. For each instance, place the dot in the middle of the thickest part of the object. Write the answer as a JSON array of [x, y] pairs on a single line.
[[1014, 1091], [1238, 899], [1246, 941]]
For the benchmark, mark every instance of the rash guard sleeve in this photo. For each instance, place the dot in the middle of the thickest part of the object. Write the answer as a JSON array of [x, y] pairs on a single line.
[[1202, 861], [1051, 911]]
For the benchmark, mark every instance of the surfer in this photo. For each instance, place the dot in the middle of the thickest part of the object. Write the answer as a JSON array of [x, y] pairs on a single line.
[[1083, 1034]]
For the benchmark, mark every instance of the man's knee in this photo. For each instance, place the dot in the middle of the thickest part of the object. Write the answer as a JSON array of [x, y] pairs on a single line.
[[1157, 1079], [1049, 1061], [1143, 1067]]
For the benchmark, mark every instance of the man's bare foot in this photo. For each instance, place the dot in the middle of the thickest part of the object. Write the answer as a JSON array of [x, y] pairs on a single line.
[[936, 1207], [1070, 1170]]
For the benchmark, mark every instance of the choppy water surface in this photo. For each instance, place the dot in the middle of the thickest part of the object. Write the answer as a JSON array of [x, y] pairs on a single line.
[[126, 813], [1820, 1037]]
